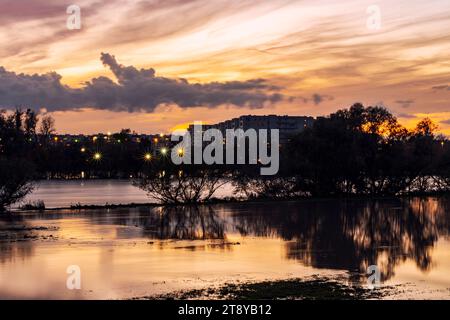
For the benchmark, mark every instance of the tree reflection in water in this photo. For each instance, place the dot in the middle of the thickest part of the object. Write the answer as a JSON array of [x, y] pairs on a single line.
[[335, 234], [351, 235], [168, 223], [14, 238], [185, 223]]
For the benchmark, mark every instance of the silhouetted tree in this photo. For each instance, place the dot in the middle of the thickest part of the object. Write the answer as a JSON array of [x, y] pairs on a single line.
[[47, 127]]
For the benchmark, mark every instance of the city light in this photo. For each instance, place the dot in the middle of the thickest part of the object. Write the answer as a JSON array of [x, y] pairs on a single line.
[[164, 151], [148, 157], [180, 152], [97, 156], [83, 149]]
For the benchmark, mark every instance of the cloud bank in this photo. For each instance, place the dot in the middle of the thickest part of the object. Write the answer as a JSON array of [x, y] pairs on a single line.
[[134, 90]]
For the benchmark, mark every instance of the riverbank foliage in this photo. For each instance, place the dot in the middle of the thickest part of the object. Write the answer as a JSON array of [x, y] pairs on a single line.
[[359, 151], [363, 152]]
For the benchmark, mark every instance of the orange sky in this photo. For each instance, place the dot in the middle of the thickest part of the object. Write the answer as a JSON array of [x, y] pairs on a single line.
[[320, 55]]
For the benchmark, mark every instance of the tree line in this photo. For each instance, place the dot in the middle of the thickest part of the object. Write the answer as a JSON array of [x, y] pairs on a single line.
[[359, 151], [356, 152]]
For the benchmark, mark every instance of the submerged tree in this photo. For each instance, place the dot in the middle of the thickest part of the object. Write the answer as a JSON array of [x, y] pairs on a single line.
[[15, 181], [362, 151], [17, 147], [184, 184]]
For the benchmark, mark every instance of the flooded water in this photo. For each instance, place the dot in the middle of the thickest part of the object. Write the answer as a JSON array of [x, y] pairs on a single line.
[[125, 253], [64, 193]]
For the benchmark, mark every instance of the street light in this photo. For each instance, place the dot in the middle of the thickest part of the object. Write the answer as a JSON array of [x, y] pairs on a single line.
[[97, 156]]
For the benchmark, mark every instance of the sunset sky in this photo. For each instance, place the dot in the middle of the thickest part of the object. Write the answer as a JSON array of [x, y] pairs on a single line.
[[155, 65]]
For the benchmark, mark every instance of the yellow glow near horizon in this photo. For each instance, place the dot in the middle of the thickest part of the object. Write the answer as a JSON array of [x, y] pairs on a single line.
[[306, 48]]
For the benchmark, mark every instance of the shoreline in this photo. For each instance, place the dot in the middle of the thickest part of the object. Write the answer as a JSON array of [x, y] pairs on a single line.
[[216, 201], [309, 288]]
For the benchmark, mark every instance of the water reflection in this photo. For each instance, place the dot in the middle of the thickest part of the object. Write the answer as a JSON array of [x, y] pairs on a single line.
[[15, 238], [181, 223], [351, 235], [336, 234], [344, 235]]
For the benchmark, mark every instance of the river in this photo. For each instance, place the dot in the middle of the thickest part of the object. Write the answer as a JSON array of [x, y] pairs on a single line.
[[134, 252], [64, 193]]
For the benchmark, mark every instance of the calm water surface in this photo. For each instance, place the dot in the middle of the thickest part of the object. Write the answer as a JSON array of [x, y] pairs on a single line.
[[136, 252], [64, 193]]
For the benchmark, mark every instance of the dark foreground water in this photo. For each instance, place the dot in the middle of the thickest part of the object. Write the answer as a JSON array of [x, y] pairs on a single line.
[[137, 252]]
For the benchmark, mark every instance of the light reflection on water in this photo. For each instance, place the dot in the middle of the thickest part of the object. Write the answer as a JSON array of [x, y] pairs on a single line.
[[143, 251]]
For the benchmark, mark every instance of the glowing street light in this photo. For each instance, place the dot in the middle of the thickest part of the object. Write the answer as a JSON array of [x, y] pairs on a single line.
[[164, 151], [97, 156], [148, 157], [83, 149]]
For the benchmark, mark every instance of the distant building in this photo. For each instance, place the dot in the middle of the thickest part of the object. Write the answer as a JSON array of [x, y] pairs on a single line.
[[288, 125]]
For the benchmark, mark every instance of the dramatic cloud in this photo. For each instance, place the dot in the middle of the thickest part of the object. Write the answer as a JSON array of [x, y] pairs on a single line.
[[404, 103], [308, 47], [135, 90]]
